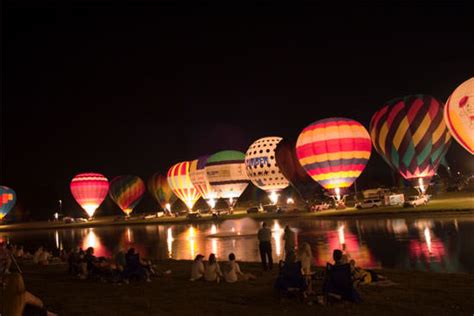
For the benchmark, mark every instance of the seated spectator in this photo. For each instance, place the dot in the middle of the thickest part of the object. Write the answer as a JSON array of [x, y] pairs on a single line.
[[290, 276], [43, 257], [20, 301], [212, 271], [74, 261], [37, 255], [5, 259], [338, 279], [197, 268], [232, 272], [120, 260], [19, 252], [305, 257], [133, 267]]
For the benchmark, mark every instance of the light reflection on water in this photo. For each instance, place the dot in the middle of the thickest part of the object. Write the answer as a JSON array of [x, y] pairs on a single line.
[[444, 244]]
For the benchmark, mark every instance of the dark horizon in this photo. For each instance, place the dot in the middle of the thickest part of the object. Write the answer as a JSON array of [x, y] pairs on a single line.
[[116, 89]]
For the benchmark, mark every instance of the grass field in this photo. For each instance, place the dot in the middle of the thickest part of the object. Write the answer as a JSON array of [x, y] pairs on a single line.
[[416, 293]]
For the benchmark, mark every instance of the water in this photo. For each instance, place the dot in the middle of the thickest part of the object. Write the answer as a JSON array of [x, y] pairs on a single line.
[[444, 244]]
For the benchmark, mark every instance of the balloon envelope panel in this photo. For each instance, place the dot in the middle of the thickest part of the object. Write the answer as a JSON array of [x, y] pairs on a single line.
[[459, 115], [160, 189], [127, 191], [289, 165], [411, 136], [262, 167], [334, 151], [226, 173], [7, 200], [180, 183], [89, 190], [197, 174]]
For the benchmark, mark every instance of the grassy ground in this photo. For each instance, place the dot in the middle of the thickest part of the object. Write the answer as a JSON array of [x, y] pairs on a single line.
[[448, 204], [416, 293]]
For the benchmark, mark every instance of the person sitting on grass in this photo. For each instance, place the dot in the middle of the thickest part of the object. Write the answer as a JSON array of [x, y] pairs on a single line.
[[365, 276], [134, 268], [232, 272], [119, 259], [197, 268], [73, 261], [37, 255], [18, 301], [43, 258], [5, 259], [290, 276], [212, 271]]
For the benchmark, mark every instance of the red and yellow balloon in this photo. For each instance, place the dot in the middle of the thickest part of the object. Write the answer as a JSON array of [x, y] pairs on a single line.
[[181, 185], [89, 190]]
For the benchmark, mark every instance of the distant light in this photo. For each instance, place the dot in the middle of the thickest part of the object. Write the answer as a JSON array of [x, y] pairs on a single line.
[[290, 201], [56, 216], [338, 194], [212, 203], [273, 197], [422, 187]]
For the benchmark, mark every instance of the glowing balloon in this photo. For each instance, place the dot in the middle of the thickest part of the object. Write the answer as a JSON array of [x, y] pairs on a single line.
[[126, 192], [227, 175], [290, 167], [197, 174], [7, 200], [459, 115], [160, 189], [180, 183], [262, 167], [411, 136], [89, 190], [334, 152]]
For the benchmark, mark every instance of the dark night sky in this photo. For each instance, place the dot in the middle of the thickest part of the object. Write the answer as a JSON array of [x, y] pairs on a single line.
[[117, 89]]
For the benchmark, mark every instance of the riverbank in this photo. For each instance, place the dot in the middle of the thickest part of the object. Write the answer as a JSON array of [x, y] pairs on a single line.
[[415, 293], [444, 205]]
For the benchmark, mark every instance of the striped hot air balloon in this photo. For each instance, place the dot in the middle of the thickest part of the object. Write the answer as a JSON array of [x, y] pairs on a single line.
[[197, 174], [181, 185], [7, 200], [459, 115], [334, 152], [160, 189], [127, 191], [89, 190], [227, 174], [411, 136]]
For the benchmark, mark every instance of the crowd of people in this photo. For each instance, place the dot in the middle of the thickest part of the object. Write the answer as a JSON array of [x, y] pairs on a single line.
[[295, 272]]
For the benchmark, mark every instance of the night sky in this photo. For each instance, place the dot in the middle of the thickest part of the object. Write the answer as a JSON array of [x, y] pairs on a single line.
[[117, 89]]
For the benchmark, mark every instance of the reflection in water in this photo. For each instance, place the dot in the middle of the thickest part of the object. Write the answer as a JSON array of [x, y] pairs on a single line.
[[402, 243], [277, 233], [169, 242]]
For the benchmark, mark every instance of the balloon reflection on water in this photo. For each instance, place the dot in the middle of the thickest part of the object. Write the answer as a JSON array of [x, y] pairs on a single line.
[[90, 239]]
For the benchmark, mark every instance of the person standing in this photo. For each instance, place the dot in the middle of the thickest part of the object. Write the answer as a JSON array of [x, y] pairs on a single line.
[[265, 246], [289, 238]]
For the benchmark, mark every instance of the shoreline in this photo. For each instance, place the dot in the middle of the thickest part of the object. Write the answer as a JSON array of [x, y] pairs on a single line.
[[324, 215]]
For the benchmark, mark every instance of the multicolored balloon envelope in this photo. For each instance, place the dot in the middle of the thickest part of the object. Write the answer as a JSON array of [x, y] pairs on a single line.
[[411, 136], [285, 155], [7, 200], [127, 191], [197, 174], [261, 165], [89, 190], [227, 176], [334, 152], [181, 185], [160, 189], [459, 115]]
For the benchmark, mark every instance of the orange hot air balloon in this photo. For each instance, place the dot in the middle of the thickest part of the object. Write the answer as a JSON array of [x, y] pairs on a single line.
[[459, 115], [181, 185]]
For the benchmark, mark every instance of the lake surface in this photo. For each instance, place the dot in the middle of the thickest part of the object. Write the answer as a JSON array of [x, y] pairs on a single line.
[[444, 244]]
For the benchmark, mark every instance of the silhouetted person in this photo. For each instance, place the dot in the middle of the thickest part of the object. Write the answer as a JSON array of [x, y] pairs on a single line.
[[265, 246]]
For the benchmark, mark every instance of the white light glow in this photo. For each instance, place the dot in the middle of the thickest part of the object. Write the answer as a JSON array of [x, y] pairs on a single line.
[[428, 238], [340, 232], [277, 232], [421, 185], [213, 229], [290, 201], [338, 194], [169, 242], [168, 207], [90, 208], [273, 197]]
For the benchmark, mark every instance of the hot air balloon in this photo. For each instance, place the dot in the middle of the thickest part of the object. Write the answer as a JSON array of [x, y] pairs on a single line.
[[7, 200], [459, 115], [290, 167], [262, 168], [227, 175], [126, 191], [334, 152], [160, 189], [411, 136], [180, 183], [197, 174], [89, 190]]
